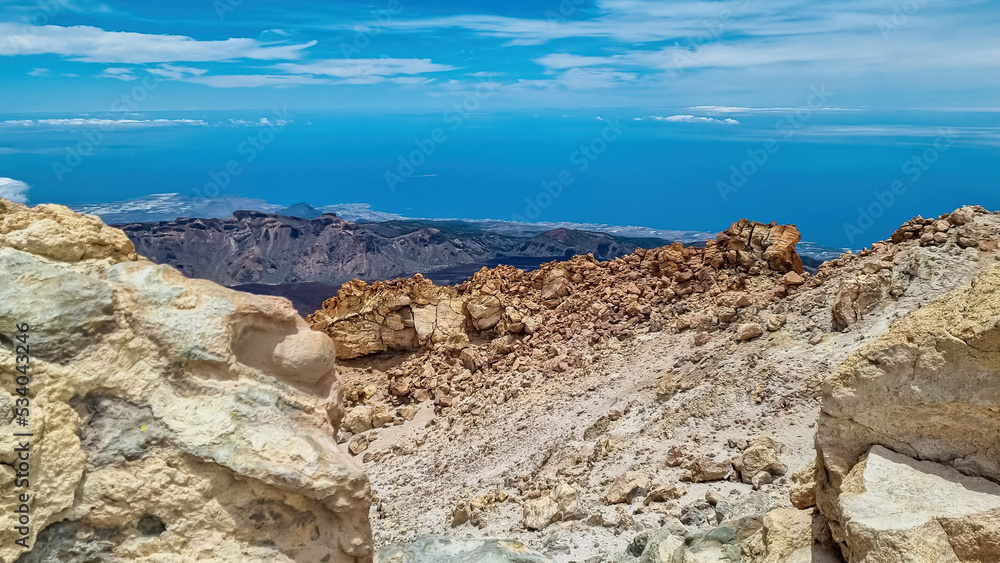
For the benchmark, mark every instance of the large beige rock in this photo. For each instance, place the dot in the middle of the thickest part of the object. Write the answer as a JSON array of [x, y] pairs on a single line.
[[485, 311], [406, 314], [785, 531], [172, 419], [928, 390], [56, 233], [626, 485], [539, 513], [748, 331], [562, 503], [896, 508], [803, 487], [761, 455], [858, 296], [661, 547]]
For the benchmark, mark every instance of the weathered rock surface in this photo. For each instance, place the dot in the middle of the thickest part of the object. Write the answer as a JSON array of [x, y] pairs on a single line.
[[803, 490], [661, 547], [927, 390], [762, 455], [627, 486], [172, 419], [859, 296], [895, 508], [440, 549], [401, 315], [595, 369], [785, 534], [871, 286], [747, 242]]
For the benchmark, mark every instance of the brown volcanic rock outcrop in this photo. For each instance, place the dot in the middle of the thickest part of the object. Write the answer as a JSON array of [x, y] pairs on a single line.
[[747, 242], [398, 315], [254, 247], [506, 319], [171, 419]]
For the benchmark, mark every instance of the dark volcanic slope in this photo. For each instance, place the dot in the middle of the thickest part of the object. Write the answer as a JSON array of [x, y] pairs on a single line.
[[253, 247]]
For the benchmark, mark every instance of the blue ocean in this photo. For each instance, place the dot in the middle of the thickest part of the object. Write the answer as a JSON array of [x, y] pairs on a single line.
[[846, 178]]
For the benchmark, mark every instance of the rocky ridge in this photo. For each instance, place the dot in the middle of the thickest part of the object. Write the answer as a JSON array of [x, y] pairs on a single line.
[[170, 419], [507, 320], [678, 427]]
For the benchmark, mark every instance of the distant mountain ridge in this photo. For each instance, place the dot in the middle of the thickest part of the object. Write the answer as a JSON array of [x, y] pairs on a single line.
[[251, 247], [171, 206]]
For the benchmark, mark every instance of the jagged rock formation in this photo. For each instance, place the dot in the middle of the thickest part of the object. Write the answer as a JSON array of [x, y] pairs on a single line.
[[171, 419], [414, 313], [253, 247], [747, 242], [926, 391]]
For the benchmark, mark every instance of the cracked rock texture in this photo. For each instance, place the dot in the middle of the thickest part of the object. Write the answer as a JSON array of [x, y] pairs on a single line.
[[174, 420], [927, 390]]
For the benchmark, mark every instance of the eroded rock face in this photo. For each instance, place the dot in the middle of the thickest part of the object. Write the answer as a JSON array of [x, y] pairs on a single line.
[[172, 419], [747, 242], [874, 283], [927, 390]]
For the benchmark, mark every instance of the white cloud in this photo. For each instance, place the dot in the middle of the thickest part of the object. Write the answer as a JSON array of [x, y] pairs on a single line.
[[732, 109], [92, 44], [262, 122], [739, 109], [560, 61], [172, 72], [591, 79], [523, 32], [411, 80], [14, 190], [39, 72], [784, 39], [365, 71], [694, 119], [119, 73], [105, 123], [202, 76], [254, 80]]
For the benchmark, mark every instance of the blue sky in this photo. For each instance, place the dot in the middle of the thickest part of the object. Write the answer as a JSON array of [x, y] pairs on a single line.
[[82, 55], [790, 110]]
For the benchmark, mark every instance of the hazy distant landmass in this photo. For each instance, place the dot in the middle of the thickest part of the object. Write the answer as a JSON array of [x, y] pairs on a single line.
[[305, 253], [171, 206], [312, 257]]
